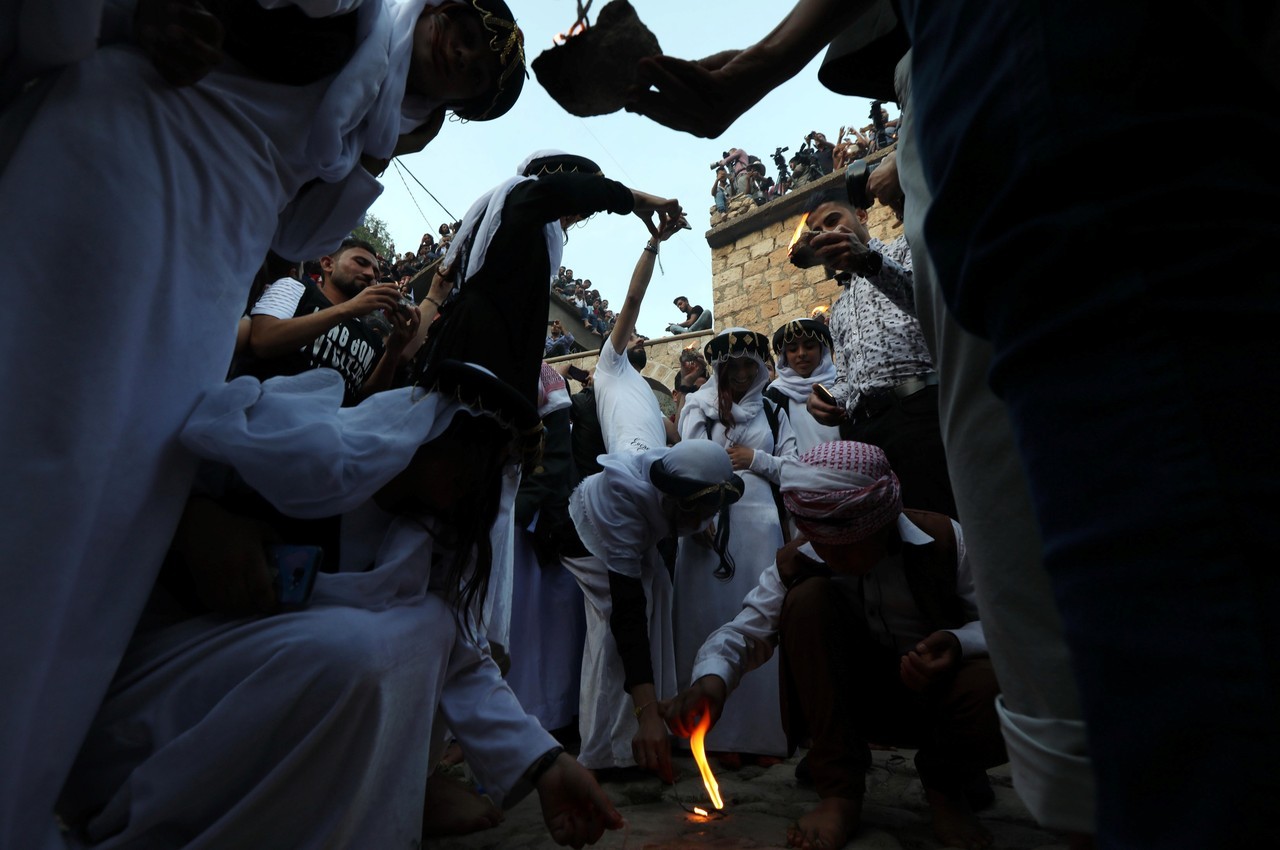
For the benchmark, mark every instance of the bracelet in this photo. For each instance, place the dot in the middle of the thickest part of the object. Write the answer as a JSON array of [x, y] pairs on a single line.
[[651, 248], [543, 764], [639, 711], [439, 306]]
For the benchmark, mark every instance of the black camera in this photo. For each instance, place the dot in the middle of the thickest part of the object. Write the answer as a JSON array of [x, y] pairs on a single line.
[[855, 183]]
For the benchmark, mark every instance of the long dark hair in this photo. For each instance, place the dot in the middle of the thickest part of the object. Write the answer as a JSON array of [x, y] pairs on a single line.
[[463, 529], [724, 395]]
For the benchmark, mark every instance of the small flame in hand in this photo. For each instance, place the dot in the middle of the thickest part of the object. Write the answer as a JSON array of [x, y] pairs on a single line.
[[700, 756], [795, 237], [698, 810]]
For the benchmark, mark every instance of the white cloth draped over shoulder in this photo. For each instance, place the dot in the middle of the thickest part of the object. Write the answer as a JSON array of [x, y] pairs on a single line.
[[270, 705], [485, 217], [166, 200]]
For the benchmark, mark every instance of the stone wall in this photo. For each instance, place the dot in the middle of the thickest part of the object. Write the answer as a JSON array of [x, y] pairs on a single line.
[[753, 283], [664, 358]]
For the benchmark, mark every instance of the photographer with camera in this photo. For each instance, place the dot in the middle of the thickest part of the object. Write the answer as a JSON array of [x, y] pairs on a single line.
[[823, 152], [346, 323], [737, 159]]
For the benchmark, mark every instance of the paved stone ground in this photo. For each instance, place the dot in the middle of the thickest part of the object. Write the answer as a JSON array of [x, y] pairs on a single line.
[[760, 804]]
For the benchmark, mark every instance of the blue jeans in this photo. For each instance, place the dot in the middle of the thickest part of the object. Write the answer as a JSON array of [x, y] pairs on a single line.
[[1136, 354]]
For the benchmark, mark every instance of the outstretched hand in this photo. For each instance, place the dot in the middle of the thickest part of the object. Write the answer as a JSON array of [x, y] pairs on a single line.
[[651, 746], [684, 711], [574, 807], [667, 225], [701, 97]]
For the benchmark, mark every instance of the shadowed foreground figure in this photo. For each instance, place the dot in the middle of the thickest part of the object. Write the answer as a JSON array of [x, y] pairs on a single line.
[[874, 611]]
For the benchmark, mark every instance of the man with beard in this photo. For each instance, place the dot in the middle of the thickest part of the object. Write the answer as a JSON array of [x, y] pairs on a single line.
[[296, 326], [628, 411]]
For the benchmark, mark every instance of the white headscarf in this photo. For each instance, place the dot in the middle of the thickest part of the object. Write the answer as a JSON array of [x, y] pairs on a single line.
[[364, 109], [485, 217], [707, 398], [797, 388]]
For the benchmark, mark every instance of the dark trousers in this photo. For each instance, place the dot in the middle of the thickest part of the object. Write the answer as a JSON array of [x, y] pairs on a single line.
[[1137, 355], [843, 688], [910, 436]]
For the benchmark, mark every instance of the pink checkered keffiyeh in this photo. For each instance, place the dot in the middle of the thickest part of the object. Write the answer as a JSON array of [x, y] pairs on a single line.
[[841, 492]]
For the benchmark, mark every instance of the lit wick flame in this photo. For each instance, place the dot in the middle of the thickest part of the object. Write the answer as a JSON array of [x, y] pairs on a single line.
[[576, 29], [698, 810], [700, 756], [795, 237]]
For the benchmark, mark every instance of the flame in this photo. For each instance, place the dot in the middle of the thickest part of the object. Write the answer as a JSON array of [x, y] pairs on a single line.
[[576, 29], [795, 237], [691, 346], [822, 309], [698, 810], [700, 756]]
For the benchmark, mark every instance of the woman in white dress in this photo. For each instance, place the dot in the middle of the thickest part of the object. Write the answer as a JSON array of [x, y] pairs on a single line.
[[803, 348], [731, 410]]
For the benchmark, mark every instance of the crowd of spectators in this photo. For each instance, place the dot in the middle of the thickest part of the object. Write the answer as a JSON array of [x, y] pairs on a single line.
[[586, 303], [740, 173]]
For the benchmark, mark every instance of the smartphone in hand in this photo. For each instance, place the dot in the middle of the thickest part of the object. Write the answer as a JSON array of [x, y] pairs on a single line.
[[825, 395], [293, 572]]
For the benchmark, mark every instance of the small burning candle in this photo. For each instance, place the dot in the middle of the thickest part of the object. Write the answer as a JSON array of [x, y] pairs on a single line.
[[700, 756], [698, 810]]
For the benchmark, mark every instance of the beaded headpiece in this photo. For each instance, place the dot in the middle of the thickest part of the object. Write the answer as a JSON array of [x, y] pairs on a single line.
[[507, 41]]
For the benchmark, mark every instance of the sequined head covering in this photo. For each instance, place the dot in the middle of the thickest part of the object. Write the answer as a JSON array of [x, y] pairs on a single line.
[[507, 41], [801, 329], [737, 342], [841, 492]]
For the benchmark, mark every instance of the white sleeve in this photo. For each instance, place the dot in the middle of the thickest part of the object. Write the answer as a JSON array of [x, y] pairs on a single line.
[[500, 739], [972, 637], [280, 299], [725, 652], [770, 465]]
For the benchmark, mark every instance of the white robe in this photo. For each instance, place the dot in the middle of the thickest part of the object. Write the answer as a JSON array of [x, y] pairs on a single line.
[[619, 517], [134, 217], [752, 719], [308, 729]]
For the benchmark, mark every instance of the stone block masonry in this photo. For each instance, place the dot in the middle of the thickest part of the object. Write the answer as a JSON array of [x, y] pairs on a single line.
[[753, 283]]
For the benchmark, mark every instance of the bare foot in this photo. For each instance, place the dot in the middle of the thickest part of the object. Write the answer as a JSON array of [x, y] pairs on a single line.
[[728, 760], [954, 823], [454, 809], [828, 827]]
